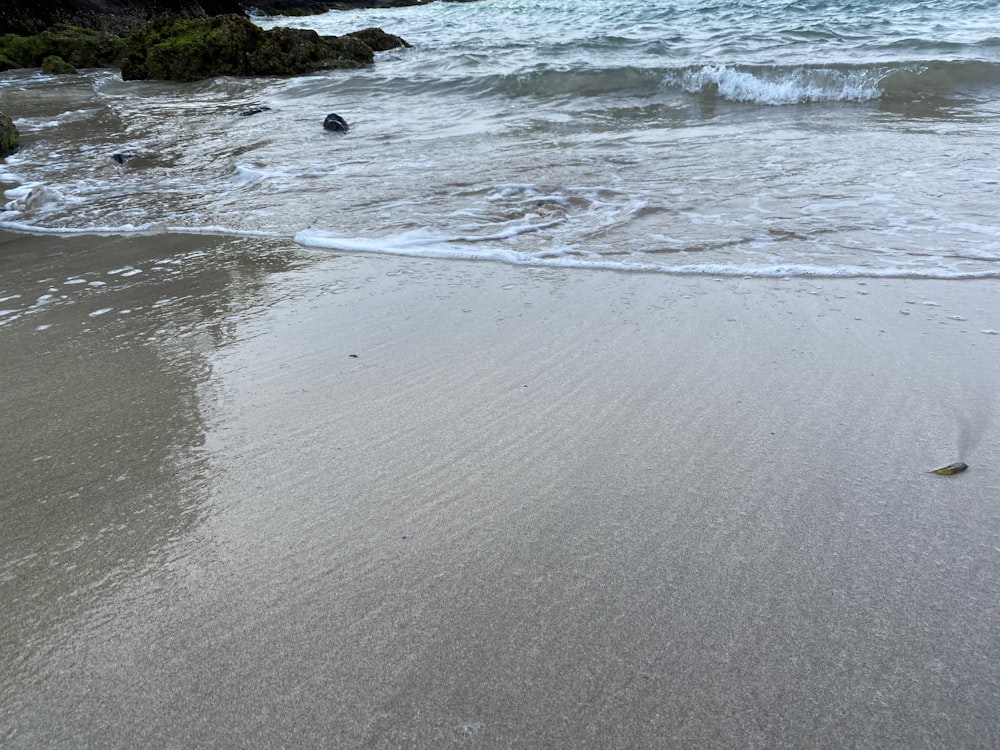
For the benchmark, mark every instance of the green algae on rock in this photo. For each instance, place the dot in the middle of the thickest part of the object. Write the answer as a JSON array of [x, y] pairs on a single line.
[[80, 48], [232, 45], [55, 65]]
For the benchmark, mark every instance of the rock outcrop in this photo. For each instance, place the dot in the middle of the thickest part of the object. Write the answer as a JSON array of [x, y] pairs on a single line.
[[26, 17], [78, 47], [233, 45], [186, 41]]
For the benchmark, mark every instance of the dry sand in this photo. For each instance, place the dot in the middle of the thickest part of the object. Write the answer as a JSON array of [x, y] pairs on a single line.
[[292, 500]]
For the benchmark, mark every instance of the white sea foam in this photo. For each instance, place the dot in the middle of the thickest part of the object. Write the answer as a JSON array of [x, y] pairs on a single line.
[[34, 124], [427, 244], [151, 228]]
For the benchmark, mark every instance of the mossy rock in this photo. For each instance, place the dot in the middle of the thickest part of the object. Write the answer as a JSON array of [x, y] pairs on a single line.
[[24, 51], [190, 50], [55, 65], [81, 48], [297, 51], [86, 48], [8, 135]]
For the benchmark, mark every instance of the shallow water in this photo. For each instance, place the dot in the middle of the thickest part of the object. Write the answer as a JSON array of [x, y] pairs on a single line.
[[763, 138]]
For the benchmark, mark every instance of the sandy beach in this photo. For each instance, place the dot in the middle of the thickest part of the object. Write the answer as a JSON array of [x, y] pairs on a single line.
[[255, 496]]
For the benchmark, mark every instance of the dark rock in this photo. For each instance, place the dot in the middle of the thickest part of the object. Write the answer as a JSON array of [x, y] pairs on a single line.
[[234, 46], [254, 111], [116, 16], [8, 135], [298, 9], [336, 123], [378, 40], [312, 7], [297, 51], [55, 65], [123, 157]]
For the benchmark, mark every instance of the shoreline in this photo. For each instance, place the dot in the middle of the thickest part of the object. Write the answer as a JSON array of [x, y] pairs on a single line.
[[376, 501]]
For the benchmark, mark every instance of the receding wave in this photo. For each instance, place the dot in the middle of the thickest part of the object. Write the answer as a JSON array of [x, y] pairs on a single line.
[[758, 84], [426, 244]]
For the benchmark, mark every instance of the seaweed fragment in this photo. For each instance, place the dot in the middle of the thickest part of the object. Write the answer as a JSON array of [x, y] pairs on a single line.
[[956, 468]]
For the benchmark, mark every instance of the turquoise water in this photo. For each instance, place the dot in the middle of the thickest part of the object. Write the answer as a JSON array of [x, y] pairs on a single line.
[[750, 138]]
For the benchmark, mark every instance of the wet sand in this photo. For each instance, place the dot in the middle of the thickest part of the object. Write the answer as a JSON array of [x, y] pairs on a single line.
[[290, 499]]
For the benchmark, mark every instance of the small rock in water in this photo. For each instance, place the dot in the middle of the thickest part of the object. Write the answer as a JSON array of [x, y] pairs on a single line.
[[254, 111], [123, 157], [336, 123]]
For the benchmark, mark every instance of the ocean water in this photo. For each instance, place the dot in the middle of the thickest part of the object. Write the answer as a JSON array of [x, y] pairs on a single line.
[[733, 137]]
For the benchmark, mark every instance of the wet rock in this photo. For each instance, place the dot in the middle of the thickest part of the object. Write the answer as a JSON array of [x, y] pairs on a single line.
[[8, 135], [336, 123], [123, 156], [55, 65], [379, 40], [254, 111]]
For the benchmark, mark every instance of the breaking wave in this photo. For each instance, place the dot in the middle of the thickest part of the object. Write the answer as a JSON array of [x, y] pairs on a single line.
[[759, 84]]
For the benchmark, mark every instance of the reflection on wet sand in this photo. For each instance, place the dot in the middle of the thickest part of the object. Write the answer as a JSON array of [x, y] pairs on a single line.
[[101, 379], [392, 502]]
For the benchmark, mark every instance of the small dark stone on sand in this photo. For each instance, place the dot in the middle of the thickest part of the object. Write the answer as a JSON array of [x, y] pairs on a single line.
[[336, 123], [354, 356]]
